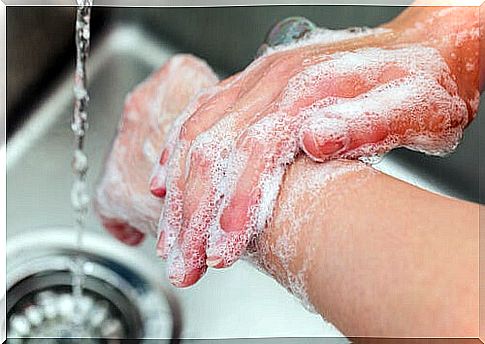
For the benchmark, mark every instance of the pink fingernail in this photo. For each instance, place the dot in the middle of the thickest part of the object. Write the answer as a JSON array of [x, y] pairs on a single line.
[[124, 232], [330, 147], [176, 273], [157, 188], [164, 157], [214, 262], [236, 215], [230, 224], [321, 148], [160, 246]]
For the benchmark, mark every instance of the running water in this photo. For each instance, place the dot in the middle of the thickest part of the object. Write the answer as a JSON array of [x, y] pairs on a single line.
[[79, 125]]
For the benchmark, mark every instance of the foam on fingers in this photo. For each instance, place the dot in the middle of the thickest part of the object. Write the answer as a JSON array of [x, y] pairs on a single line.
[[122, 201], [229, 154], [158, 179], [391, 115], [170, 222], [250, 186]]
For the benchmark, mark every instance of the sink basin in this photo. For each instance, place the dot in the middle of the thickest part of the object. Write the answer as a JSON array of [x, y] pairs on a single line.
[[239, 302]]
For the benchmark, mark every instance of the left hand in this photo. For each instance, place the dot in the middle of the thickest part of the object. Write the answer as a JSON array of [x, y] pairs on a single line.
[[123, 201]]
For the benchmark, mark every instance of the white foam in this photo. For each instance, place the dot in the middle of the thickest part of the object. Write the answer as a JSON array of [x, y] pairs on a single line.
[[122, 193], [284, 255], [427, 77]]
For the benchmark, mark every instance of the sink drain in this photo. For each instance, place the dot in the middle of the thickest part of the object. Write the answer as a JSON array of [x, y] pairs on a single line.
[[43, 305], [53, 315], [120, 299]]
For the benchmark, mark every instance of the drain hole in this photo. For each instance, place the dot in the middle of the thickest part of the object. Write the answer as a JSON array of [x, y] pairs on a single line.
[[42, 305]]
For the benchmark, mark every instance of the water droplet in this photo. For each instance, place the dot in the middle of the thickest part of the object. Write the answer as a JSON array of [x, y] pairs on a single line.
[[80, 161]]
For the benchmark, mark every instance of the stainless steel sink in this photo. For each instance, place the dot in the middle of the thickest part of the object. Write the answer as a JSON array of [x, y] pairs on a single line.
[[236, 303]]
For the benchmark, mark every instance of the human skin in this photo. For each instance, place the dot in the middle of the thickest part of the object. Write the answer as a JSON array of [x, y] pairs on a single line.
[[374, 255], [343, 255], [346, 239], [226, 159], [122, 202]]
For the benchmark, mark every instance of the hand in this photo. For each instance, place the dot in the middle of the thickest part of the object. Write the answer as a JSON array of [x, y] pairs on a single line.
[[341, 95], [123, 201]]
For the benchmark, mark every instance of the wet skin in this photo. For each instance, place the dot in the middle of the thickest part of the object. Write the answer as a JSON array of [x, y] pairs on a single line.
[[412, 84], [246, 127]]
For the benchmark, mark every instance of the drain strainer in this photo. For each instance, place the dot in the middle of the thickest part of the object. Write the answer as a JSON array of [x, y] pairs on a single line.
[[43, 305], [118, 299]]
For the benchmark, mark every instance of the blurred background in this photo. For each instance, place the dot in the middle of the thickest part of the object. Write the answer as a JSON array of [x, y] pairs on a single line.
[[127, 44]]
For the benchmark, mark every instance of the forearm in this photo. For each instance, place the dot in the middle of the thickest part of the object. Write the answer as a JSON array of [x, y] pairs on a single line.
[[452, 28], [374, 255]]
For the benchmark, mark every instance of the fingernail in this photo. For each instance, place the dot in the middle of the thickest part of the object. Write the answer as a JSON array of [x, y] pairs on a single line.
[[157, 188], [236, 215], [176, 273], [330, 147], [164, 157], [158, 180], [214, 261], [125, 233], [160, 248], [319, 147]]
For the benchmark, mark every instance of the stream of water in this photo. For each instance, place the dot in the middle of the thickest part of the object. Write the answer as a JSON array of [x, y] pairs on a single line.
[[79, 125]]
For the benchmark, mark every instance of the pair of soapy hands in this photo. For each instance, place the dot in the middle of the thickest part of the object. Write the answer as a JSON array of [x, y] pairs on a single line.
[[327, 94]]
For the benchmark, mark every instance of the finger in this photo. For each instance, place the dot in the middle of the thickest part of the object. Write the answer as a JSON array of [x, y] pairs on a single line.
[[270, 145], [123, 232], [219, 99], [159, 175], [186, 255], [189, 264], [209, 153], [201, 199], [416, 112], [176, 170], [251, 186], [171, 217]]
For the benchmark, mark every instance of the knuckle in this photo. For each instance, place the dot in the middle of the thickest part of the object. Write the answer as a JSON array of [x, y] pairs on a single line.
[[201, 148], [189, 128]]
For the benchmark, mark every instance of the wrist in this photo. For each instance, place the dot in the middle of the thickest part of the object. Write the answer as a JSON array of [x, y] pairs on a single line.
[[289, 249], [455, 32]]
